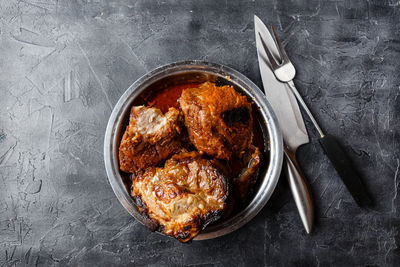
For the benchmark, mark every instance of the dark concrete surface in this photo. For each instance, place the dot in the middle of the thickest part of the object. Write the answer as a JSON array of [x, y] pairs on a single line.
[[64, 64]]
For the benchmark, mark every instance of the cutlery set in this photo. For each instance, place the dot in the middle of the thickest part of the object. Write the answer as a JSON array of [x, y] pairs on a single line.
[[277, 73]]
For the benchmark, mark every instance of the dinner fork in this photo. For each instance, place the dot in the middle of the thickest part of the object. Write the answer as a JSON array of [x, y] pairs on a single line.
[[285, 72]]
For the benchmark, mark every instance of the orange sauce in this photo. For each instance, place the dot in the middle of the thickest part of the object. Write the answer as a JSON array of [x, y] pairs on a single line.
[[168, 97]]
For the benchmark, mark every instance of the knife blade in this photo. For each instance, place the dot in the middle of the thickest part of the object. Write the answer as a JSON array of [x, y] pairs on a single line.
[[290, 120], [279, 94]]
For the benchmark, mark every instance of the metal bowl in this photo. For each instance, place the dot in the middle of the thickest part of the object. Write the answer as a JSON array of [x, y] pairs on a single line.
[[185, 72]]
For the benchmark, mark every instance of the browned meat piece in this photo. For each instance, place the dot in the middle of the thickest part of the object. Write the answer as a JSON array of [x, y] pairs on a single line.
[[218, 119], [149, 139], [183, 197], [247, 177]]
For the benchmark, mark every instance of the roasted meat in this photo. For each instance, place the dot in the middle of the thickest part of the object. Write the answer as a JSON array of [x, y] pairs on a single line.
[[243, 183], [184, 196], [150, 138], [218, 119]]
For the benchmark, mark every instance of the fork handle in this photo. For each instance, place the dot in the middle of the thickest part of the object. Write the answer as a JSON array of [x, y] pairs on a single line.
[[305, 107], [338, 157], [345, 169], [299, 190]]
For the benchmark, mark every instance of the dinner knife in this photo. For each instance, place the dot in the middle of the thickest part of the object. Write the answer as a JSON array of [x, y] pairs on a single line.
[[291, 123]]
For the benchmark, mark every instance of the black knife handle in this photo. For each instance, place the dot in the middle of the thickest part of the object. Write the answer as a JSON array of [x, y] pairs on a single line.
[[345, 169]]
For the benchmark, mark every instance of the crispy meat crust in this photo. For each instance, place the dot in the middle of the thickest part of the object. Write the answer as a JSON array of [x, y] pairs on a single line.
[[150, 138], [218, 119], [247, 177], [183, 197]]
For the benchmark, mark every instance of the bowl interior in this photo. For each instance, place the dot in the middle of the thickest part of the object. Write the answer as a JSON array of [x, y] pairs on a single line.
[[160, 79]]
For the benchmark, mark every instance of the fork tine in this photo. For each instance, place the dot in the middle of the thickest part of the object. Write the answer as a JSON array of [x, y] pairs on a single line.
[[271, 59], [282, 51]]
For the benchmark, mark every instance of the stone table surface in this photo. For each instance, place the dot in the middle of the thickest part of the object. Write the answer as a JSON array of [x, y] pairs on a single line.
[[64, 65]]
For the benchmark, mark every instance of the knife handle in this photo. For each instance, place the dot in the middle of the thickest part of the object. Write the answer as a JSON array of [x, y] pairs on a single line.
[[345, 169], [300, 191]]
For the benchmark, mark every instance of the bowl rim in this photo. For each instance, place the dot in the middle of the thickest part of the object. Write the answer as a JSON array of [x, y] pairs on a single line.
[[271, 177]]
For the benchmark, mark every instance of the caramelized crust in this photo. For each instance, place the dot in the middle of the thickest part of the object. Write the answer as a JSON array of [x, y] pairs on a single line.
[[247, 177], [183, 197], [149, 139], [218, 119]]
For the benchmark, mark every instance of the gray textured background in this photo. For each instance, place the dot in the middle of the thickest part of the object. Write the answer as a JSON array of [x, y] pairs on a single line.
[[64, 64]]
